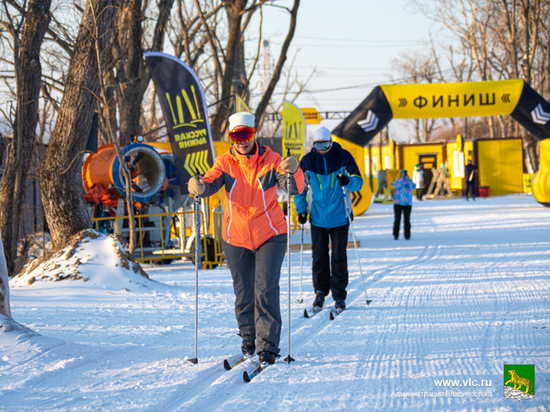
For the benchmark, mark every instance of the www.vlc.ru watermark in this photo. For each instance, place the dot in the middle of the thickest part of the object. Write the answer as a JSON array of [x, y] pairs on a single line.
[[463, 383], [450, 385]]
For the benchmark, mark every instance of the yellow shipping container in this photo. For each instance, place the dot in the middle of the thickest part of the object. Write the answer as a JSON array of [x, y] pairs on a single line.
[[500, 166]]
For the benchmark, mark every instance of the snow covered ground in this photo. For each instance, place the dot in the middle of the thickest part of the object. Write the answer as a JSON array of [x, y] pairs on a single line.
[[467, 294]]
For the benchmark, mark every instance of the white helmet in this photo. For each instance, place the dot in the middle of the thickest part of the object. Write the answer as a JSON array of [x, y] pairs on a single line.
[[322, 134], [242, 119]]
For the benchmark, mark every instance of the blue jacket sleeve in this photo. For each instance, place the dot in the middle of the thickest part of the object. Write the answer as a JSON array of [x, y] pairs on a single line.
[[355, 180], [300, 200]]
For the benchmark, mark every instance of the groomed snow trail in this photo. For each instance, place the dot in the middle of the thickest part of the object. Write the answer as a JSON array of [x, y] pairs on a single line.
[[467, 294]]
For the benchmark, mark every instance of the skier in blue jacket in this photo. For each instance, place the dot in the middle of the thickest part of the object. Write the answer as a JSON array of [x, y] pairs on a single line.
[[328, 168]]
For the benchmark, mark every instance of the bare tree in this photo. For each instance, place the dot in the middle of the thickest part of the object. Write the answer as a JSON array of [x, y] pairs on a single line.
[[4, 283], [419, 68], [504, 39], [27, 36], [293, 87], [104, 106], [126, 74], [60, 180], [234, 10], [224, 70], [260, 110]]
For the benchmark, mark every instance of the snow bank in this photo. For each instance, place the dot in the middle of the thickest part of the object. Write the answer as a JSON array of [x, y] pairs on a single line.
[[89, 257]]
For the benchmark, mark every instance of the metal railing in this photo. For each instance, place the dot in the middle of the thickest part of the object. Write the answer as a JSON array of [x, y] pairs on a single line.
[[155, 250], [168, 229]]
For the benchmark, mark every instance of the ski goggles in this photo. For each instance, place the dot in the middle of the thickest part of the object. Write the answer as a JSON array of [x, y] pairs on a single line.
[[319, 146], [242, 135]]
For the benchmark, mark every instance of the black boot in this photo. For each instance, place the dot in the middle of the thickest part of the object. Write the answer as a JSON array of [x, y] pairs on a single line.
[[248, 347], [340, 304], [319, 299], [268, 357]]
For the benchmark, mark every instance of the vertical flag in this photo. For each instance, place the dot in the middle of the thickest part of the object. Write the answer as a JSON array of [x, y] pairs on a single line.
[[240, 105], [294, 131], [181, 97]]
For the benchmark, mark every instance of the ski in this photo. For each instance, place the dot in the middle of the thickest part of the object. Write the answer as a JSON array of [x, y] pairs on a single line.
[[334, 313], [248, 377], [227, 365], [313, 312]]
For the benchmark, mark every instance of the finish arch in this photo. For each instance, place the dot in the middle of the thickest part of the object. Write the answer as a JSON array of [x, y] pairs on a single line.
[[433, 100]]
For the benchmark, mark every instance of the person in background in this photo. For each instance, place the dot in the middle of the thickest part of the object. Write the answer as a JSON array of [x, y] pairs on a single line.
[[418, 179], [382, 182], [444, 173], [254, 230], [402, 204], [470, 174], [328, 168]]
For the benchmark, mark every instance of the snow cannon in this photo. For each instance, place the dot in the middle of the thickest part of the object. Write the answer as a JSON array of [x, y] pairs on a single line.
[[540, 185], [104, 181]]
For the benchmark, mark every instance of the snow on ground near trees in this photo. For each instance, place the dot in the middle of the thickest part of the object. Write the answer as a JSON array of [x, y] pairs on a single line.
[[466, 295]]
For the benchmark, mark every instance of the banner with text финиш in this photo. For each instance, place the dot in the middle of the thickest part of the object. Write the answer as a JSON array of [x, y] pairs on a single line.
[[435, 100]]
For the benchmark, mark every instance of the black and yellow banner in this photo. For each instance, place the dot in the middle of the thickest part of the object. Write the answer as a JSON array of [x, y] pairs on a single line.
[[184, 108], [421, 101], [294, 131]]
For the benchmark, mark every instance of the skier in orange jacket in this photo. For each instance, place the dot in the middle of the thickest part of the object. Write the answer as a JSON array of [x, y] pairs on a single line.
[[254, 230]]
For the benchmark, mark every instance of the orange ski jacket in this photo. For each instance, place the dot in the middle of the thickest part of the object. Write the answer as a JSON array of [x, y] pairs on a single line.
[[252, 213]]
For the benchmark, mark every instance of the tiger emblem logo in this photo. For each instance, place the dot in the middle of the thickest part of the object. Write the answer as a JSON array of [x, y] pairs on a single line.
[[518, 381]]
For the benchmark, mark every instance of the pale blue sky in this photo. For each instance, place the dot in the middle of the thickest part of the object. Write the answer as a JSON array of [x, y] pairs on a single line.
[[350, 43]]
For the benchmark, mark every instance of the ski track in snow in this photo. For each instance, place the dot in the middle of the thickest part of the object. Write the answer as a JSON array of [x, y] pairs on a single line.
[[466, 295]]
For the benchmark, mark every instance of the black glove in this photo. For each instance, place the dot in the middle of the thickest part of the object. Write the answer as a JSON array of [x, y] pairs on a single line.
[[343, 180], [302, 218]]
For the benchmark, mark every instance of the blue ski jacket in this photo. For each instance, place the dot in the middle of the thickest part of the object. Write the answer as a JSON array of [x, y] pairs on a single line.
[[325, 198]]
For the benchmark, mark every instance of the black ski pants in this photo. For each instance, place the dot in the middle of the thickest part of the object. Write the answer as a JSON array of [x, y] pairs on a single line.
[[330, 274], [471, 184], [406, 211], [256, 275]]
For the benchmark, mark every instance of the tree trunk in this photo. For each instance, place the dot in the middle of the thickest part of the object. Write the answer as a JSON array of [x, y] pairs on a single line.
[[262, 106], [128, 55], [4, 283], [28, 78], [133, 74], [234, 10], [61, 185]]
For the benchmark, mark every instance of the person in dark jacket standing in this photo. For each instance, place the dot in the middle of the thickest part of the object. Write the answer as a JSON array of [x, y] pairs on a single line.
[[328, 168], [254, 230], [470, 172], [418, 179], [402, 204]]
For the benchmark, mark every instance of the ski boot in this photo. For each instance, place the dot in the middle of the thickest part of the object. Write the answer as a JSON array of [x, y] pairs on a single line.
[[340, 305], [248, 347], [268, 357], [319, 299]]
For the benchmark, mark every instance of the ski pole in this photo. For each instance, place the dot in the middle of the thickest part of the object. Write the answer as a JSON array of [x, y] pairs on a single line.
[[288, 359], [355, 243], [301, 263], [195, 360]]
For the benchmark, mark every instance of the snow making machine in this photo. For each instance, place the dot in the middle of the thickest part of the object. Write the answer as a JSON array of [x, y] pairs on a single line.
[[163, 215]]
